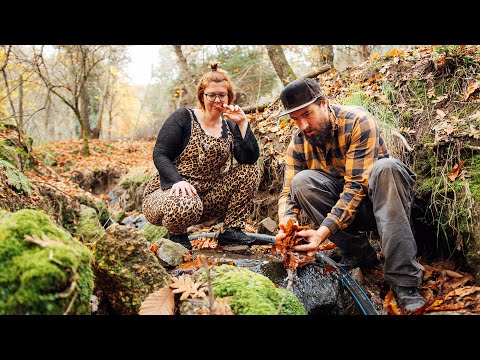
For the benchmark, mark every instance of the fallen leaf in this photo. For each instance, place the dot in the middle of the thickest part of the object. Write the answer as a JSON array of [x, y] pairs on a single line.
[[456, 170], [390, 304], [160, 302]]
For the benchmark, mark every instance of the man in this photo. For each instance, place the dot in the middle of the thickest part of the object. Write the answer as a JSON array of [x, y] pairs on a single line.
[[338, 170]]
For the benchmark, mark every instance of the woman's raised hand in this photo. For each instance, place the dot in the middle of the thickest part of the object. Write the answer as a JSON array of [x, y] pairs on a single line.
[[234, 113]]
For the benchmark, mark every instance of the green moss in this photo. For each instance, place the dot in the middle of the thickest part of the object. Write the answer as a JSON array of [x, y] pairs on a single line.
[[118, 215], [473, 167], [136, 177], [89, 228], [102, 210], [152, 232], [251, 293], [35, 279], [47, 156]]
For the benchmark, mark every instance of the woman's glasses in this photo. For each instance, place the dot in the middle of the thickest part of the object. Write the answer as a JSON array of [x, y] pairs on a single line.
[[211, 97]]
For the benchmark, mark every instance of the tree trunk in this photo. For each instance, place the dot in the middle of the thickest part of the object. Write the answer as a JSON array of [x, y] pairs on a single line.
[[326, 54], [365, 52], [48, 111], [84, 120], [185, 74], [20, 101], [280, 64], [98, 128]]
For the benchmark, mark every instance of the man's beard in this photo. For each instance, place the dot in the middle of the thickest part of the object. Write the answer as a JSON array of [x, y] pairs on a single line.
[[321, 137]]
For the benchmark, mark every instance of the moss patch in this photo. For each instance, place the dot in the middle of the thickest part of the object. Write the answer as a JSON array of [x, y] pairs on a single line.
[[152, 232], [89, 228], [252, 293], [52, 277]]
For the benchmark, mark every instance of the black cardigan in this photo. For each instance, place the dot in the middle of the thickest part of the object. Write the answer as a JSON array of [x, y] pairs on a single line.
[[174, 135]]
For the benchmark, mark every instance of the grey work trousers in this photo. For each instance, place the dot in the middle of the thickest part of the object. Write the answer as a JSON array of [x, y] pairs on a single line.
[[387, 206]]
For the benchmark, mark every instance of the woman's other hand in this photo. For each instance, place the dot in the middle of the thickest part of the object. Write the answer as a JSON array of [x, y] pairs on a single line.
[[184, 188]]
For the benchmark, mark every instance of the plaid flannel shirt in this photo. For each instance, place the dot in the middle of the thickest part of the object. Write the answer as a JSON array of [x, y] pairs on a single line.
[[356, 145]]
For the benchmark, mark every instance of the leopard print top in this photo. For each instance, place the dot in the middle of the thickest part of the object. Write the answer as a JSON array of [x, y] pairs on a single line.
[[203, 158]]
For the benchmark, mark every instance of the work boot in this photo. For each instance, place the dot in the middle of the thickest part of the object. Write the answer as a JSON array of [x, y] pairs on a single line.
[[365, 259], [408, 298], [234, 236], [182, 239]]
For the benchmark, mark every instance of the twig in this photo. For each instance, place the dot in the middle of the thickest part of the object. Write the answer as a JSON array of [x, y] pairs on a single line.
[[401, 137], [211, 299], [73, 286]]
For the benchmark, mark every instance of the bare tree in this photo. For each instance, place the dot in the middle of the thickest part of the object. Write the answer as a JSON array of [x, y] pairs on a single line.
[[186, 76], [66, 77], [280, 63], [95, 133]]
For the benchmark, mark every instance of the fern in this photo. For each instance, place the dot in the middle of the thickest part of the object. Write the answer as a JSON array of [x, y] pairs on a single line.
[[18, 181], [5, 164]]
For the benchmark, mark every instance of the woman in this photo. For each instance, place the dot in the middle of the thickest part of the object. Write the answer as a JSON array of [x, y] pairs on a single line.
[[196, 180]]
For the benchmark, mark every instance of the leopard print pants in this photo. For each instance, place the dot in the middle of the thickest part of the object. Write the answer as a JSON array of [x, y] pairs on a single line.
[[229, 200]]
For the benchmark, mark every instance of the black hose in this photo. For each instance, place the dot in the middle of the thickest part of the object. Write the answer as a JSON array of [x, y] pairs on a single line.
[[354, 289]]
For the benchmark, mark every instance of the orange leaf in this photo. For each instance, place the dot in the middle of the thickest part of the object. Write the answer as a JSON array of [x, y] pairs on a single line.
[[390, 304], [456, 171], [160, 302]]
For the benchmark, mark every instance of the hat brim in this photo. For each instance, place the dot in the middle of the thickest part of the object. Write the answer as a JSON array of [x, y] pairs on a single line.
[[298, 107]]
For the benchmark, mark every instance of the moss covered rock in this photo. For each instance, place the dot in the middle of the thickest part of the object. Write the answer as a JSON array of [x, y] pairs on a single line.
[[125, 269], [89, 228], [43, 269], [152, 232], [251, 293]]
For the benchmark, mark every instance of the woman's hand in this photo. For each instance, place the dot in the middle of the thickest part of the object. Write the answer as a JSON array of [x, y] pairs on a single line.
[[184, 188], [234, 113]]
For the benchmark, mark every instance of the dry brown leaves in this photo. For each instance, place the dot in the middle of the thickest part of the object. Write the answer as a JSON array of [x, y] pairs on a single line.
[[204, 243], [190, 266], [448, 290], [188, 288], [291, 259], [160, 302]]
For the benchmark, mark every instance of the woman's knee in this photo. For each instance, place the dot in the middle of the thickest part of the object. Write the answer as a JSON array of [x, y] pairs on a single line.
[[185, 210]]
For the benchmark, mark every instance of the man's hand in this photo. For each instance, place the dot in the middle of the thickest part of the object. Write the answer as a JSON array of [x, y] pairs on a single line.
[[183, 188], [281, 233], [314, 238]]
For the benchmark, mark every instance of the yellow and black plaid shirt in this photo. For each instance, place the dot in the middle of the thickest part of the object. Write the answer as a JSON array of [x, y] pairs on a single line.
[[356, 145]]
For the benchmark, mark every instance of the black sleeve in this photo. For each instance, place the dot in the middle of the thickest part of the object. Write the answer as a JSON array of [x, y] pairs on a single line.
[[171, 140], [246, 150]]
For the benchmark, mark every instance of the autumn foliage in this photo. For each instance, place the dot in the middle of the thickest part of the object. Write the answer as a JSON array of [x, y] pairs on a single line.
[[291, 258]]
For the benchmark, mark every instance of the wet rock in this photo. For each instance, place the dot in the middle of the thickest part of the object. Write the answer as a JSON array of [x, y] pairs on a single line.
[[317, 290], [170, 253], [135, 221], [268, 226]]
